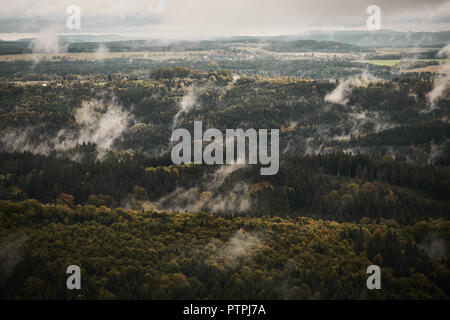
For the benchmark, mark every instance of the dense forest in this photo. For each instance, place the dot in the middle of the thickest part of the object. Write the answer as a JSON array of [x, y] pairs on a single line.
[[136, 67], [334, 186], [383, 116], [134, 254], [86, 176]]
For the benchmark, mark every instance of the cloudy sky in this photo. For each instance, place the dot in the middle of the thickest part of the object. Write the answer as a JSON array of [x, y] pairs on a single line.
[[197, 18]]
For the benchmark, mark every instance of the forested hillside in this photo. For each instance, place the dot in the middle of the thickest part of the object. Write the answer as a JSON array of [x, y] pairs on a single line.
[[334, 187], [87, 178], [389, 117], [131, 254]]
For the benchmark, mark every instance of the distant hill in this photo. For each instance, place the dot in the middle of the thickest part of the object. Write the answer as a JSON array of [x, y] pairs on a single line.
[[13, 47], [378, 38], [86, 38], [312, 45], [75, 45], [319, 41]]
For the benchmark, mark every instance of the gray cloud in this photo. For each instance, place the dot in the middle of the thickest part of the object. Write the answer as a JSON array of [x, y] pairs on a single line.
[[129, 23], [160, 18]]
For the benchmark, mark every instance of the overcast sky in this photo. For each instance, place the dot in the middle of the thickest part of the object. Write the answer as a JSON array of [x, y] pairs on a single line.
[[195, 18]]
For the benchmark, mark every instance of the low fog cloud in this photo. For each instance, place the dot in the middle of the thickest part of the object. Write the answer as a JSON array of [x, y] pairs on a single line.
[[207, 195], [441, 83], [435, 246], [46, 41], [97, 121], [101, 52], [101, 122], [187, 102], [240, 245], [340, 94]]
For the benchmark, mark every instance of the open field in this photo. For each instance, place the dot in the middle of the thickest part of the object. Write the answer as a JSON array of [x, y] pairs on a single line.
[[110, 55], [391, 63], [400, 50], [434, 69]]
